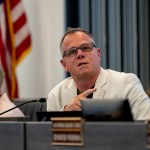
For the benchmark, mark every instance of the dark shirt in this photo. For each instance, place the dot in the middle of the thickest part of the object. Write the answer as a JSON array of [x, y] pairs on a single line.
[[89, 96]]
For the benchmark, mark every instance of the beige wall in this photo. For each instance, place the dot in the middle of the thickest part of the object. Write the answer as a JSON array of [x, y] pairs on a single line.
[[40, 71]]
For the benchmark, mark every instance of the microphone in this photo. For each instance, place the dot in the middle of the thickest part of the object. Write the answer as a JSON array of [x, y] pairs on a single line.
[[41, 100]]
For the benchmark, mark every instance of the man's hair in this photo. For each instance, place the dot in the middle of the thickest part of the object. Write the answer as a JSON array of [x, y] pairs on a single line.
[[73, 30]]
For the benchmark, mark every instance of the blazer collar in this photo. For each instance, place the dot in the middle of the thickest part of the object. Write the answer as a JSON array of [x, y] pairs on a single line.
[[102, 78], [100, 82]]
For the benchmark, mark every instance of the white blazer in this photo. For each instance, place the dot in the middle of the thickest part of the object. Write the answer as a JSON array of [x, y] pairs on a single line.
[[110, 85]]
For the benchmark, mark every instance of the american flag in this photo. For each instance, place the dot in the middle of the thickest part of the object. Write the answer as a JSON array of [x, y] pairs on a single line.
[[15, 41]]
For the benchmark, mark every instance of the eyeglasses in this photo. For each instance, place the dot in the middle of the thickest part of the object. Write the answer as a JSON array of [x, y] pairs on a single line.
[[84, 48]]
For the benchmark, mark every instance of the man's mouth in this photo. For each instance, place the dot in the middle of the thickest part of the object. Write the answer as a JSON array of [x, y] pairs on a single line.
[[80, 64]]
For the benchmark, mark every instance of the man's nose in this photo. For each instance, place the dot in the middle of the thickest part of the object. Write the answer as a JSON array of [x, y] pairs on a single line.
[[80, 53]]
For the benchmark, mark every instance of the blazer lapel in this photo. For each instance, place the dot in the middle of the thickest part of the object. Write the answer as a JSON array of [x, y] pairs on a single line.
[[100, 84], [69, 91]]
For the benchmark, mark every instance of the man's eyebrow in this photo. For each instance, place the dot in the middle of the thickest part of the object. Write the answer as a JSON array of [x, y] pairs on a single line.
[[71, 48], [84, 44], [78, 46]]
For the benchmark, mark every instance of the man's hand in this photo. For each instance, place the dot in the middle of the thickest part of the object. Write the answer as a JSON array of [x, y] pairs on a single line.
[[75, 104]]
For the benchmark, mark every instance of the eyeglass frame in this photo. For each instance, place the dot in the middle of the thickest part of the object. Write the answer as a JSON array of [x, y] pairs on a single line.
[[77, 48]]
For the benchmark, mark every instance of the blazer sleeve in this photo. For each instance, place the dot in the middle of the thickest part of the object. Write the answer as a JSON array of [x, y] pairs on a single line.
[[139, 101]]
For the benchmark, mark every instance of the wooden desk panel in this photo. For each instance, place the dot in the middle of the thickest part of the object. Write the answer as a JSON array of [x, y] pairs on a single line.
[[12, 136], [97, 136]]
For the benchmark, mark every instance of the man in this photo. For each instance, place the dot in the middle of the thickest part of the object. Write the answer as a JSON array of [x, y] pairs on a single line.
[[81, 58]]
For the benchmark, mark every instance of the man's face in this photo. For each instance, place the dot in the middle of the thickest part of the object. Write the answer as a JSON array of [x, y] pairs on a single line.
[[80, 64]]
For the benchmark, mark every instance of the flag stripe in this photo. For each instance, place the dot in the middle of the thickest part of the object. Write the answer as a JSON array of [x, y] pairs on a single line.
[[19, 23], [17, 12], [20, 52], [21, 35], [13, 3]]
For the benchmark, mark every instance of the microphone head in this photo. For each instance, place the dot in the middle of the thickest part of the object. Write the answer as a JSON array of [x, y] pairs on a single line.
[[42, 100]]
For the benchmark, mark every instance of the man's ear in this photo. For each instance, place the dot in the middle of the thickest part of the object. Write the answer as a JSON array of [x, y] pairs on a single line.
[[99, 52], [64, 64]]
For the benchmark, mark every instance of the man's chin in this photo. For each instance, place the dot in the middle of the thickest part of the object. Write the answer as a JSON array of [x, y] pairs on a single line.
[[83, 74]]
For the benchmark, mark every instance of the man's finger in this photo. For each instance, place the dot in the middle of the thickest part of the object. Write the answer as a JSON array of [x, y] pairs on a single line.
[[88, 92]]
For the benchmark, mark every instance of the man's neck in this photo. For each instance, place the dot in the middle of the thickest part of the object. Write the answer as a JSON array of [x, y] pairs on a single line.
[[86, 84], [83, 86]]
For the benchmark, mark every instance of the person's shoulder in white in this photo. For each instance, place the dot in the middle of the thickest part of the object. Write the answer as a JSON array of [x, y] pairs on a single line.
[[6, 104], [62, 84], [122, 76]]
